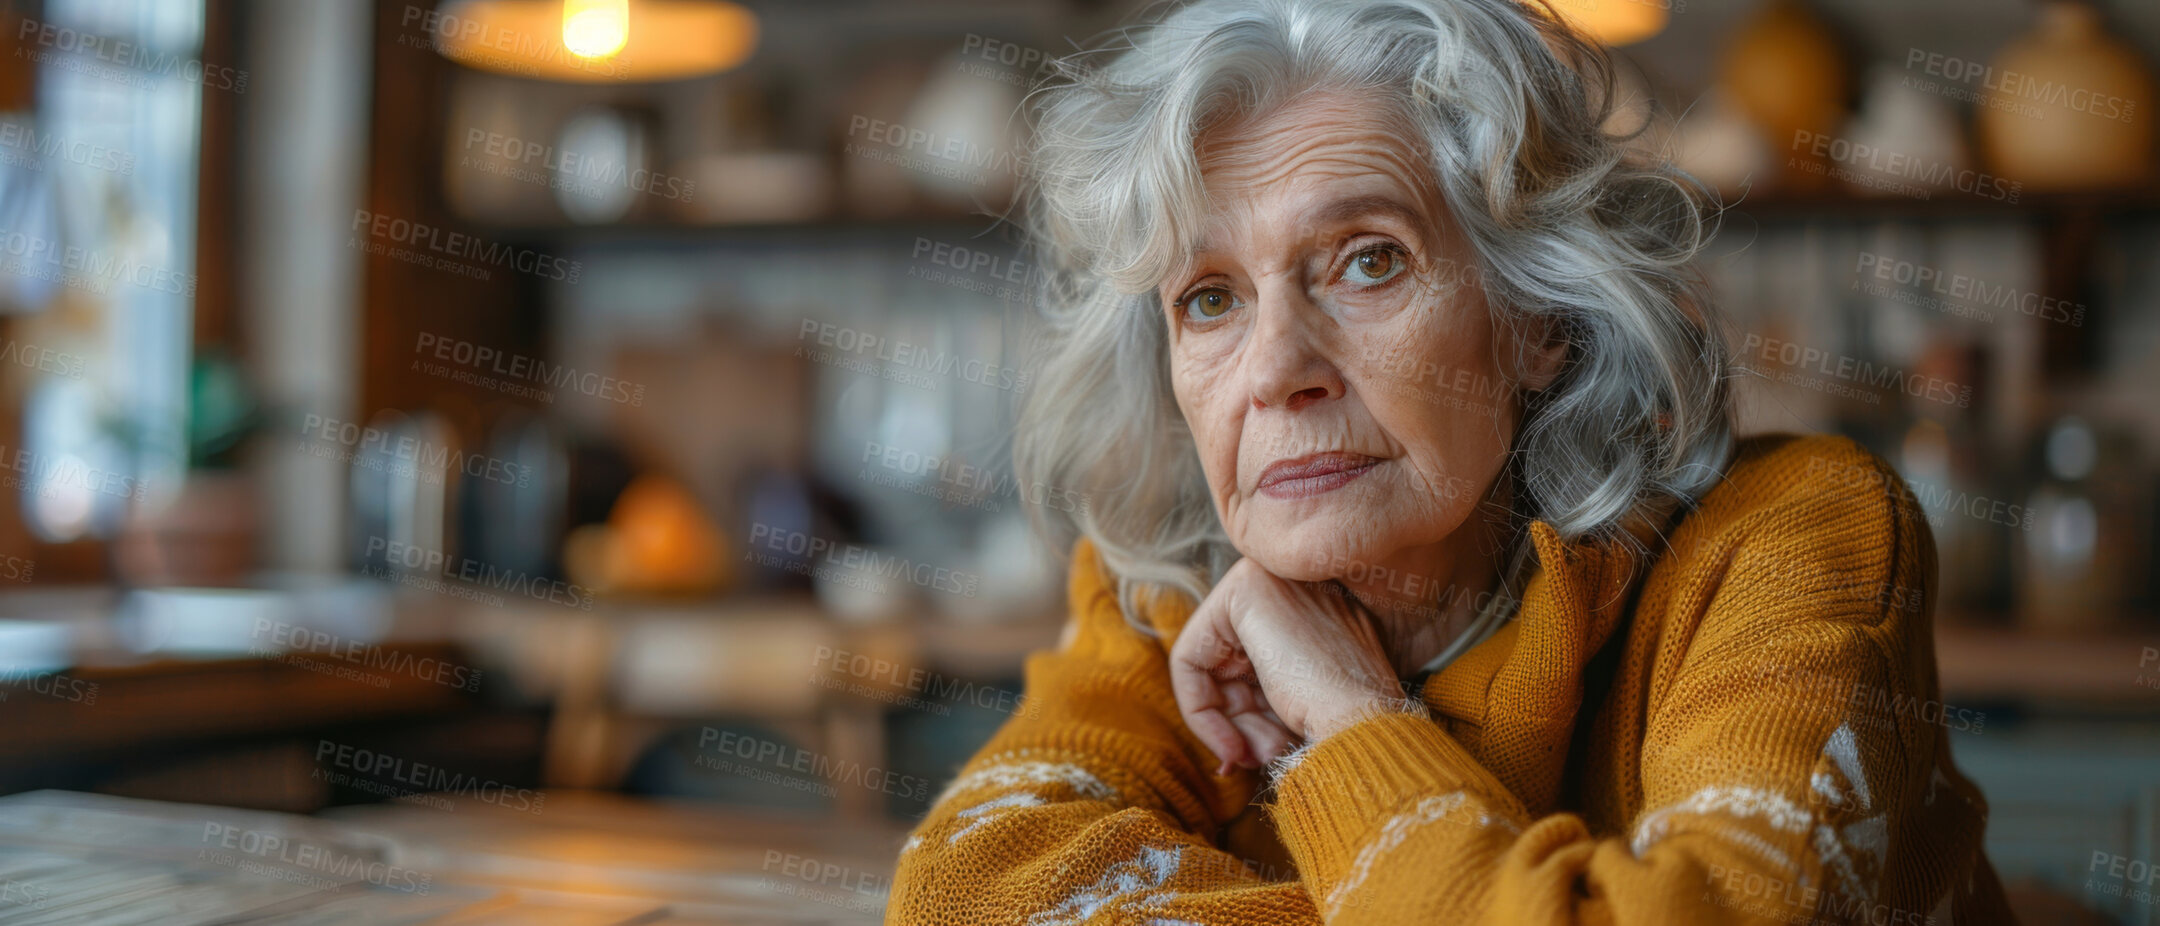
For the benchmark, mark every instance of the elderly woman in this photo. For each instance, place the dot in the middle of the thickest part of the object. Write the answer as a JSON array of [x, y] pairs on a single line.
[[1421, 577]]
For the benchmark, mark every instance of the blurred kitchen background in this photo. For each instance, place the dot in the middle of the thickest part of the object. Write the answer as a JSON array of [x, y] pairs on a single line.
[[606, 400]]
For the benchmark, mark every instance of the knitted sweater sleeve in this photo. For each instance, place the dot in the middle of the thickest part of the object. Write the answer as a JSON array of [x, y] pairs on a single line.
[[1787, 766], [1092, 804]]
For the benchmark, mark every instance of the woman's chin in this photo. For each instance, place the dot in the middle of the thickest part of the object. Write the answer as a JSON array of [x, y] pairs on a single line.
[[1309, 549]]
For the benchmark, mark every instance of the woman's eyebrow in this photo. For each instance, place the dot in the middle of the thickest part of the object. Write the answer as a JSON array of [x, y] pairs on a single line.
[[1342, 210], [1335, 212]]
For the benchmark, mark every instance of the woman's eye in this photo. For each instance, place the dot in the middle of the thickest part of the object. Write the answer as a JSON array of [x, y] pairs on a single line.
[[1374, 266], [1209, 303]]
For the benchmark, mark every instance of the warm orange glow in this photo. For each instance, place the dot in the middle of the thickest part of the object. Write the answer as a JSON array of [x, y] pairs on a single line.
[[595, 28], [1615, 22], [569, 40]]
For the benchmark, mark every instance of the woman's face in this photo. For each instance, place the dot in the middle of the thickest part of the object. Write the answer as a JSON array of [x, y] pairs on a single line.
[[1331, 350]]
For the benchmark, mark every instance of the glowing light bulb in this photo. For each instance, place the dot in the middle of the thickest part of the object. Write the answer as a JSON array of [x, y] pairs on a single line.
[[595, 28]]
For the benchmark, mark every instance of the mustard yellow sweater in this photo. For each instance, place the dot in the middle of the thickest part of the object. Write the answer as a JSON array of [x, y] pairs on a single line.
[[1748, 730]]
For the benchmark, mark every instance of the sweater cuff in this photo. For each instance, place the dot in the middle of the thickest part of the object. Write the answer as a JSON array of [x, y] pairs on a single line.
[[1356, 795]]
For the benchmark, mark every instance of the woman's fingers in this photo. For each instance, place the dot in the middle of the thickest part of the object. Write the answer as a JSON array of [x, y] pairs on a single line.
[[1241, 694], [1245, 703], [1222, 737], [1265, 737], [1206, 697], [1219, 691], [1264, 734]]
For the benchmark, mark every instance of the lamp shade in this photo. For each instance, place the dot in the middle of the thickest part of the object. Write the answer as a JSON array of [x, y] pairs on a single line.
[[652, 40], [1615, 22]]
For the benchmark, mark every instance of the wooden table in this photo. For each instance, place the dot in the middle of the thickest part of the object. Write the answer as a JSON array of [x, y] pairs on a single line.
[[624, 674], [575, 859]]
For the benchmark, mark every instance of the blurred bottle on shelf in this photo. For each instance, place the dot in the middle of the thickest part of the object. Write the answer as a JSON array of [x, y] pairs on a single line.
[[403, 492], [2074, 565], [1944, 455], [515, 505], [1939, 464]]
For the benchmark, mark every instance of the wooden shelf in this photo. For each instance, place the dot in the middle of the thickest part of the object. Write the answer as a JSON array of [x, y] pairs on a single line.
[[2000, 663], [1944, 205]]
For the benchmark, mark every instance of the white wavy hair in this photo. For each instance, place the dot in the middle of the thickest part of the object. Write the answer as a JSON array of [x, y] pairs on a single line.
[[1568, 222]]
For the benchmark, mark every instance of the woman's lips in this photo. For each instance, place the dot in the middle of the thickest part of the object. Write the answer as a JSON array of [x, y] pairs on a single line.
[[1313, 474]]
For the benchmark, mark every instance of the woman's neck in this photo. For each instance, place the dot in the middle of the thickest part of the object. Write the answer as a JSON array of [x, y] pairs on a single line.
[[1422, 599]]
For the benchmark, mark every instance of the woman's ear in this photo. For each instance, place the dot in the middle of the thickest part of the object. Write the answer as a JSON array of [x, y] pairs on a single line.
[[1543, 351]]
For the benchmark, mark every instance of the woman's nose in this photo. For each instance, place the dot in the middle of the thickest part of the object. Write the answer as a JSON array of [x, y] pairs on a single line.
[[1286, 360]]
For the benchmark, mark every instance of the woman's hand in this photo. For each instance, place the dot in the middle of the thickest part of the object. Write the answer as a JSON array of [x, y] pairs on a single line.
[[1265, 662]]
